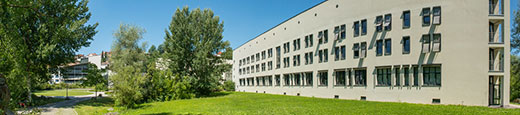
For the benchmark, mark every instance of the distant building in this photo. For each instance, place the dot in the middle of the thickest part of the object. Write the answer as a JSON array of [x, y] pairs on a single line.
[[73, 72]]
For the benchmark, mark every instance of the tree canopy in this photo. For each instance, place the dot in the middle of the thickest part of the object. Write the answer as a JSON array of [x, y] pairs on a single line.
[[39, 35]]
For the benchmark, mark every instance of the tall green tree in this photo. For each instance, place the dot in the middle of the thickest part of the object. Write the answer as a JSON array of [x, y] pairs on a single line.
[[128, 61], [37, 35], [94, 78], [515, 77], [192, 43]]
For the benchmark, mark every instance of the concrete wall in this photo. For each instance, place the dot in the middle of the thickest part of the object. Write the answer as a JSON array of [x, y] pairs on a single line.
[[464, 54]]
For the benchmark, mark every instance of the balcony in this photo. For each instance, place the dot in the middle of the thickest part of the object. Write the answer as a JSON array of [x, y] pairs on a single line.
[[496, 7], [496, 35], [496, 59]]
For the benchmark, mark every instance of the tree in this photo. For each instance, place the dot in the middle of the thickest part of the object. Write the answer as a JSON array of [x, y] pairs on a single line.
[[515, 32], [128, 61], [41, 35], [94, 78], [192, 43]]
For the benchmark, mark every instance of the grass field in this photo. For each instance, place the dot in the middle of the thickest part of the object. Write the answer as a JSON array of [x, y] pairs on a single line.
[[252, 103], [94, 107], [62, 92]]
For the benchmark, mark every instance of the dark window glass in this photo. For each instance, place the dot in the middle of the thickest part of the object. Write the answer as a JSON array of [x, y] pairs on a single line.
[[406, 45], [406, 19], [406, 76], [388, 46], [363, 27], [432, 76], [397, 77], [356, 28], [379, 47], [426, 16], [343, 52], [388, 22], [415, 76], [379, 23], [356, 50], [323, 76], [360, 77], [340, 78]]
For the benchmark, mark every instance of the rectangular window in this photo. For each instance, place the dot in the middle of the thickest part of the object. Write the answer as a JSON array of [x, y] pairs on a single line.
[[426, 16], [406, 76], [436, 45], [263, 66], [277, 80], [363, 27], [432, 76], [415, 76], [379, 23], [388, 46], [270, 65], [343, 52], [336, 33], [343, 32], [311, 58], [320, 54], [323, 78], [388, 22], [295, 46], [297, 79], [278, 57], [379, 47], [397, 76], [340, 78], [257, 67], [310, 40], [288, 47], [257, 56], [294, 61], [406, 45], [336, 53], [356, 28], [308, 79], [384, 76], [360, 77], [270, 53], [306, 58], [325, 36], [298, 57], [287, 80], [263, 55], [253, 69], [356, 50], [406, 19], [320, 37], [306, 41], [363, 53], [325, 55], [436, 15], [426, 43]]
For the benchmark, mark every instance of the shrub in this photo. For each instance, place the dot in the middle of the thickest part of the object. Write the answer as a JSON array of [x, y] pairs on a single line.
[[229, 85]]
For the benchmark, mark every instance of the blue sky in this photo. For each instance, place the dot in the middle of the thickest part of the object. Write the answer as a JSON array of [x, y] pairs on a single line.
[[243, 19]]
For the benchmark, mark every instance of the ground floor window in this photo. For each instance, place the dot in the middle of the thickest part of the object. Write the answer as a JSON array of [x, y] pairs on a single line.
[[360, 77], [415, 76], [308, 78], [277, 80], [323, 78], [397, 76], [383, 76], [406, 76], [432, 76], [340, 78], [287, 80], [297, 79]]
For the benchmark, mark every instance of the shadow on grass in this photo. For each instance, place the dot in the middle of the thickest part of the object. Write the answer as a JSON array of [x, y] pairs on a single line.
[[162, 113], [216, 94], [104, 101]]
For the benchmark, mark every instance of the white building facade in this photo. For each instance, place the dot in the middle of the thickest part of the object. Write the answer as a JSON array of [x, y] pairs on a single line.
[[415, 51]]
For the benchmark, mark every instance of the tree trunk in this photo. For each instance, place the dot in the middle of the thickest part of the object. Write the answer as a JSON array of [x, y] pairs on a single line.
[[5, 95], [29, 97]]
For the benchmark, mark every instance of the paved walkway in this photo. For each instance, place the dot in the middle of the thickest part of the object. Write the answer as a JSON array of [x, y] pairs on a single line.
[[65, 107]]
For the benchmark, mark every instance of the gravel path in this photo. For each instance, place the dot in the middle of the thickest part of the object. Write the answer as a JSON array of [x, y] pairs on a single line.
[[65, 107]]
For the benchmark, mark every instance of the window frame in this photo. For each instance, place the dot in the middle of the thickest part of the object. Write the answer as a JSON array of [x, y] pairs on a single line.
[[406, 44], [364, 27], [434, 15], [426, 12], [356, 28], [388, 22], [407, 19]]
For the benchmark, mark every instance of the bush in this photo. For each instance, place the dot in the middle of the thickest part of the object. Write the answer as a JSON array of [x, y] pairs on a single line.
[[229, 85]]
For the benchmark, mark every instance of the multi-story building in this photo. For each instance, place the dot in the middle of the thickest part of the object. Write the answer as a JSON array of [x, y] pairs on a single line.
[[415, 51], [73, 72]]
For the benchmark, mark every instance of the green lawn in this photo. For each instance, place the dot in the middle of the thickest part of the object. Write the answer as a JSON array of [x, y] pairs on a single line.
[[252, 103], [94, 107], [62, 92]]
